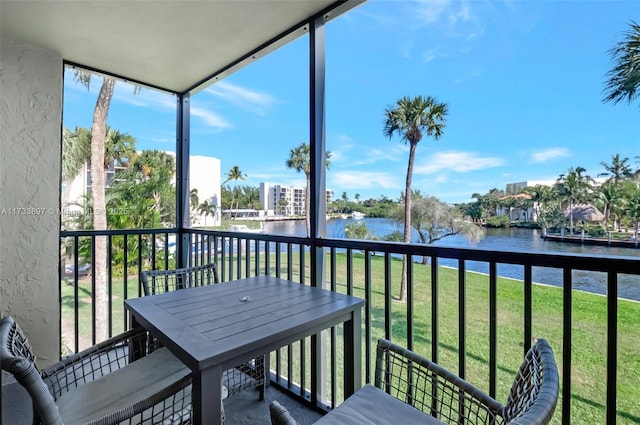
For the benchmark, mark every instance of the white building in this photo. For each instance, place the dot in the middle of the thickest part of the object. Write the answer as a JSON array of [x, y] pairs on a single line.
[[204, 175], [285, 200]]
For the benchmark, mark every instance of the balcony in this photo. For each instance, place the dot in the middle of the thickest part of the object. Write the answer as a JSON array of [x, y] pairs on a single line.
[[474, 324]]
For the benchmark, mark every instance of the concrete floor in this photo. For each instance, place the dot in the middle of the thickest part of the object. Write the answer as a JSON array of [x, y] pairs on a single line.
[[241, 409]]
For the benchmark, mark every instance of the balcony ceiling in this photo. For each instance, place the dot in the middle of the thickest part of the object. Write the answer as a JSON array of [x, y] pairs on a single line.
[[173, 45]]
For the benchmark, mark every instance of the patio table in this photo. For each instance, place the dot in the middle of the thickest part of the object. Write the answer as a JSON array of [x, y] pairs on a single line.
[[212, 328]]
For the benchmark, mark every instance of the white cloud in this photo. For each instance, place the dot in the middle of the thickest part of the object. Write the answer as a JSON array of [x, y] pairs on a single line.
[[363, 180], [210, 118], [432, 10], [548, 154], [243, 97], [461, 162], [393, 152]]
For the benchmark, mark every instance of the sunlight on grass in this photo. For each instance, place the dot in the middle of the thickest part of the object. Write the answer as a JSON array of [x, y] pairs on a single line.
[[589, 330]]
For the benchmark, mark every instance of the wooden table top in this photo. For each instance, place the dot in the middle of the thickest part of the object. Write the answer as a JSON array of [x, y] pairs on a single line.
[[231, 322]]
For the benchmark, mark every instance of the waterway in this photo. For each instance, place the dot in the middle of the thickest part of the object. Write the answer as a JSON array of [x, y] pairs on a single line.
[[511, 239]]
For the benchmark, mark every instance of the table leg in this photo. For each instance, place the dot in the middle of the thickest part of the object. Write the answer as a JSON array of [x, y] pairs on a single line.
[[206, 396], [136, 349], [352, 354]]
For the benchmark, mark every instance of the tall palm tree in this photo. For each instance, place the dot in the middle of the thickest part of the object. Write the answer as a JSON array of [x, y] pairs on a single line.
[[208, 210], [617, 170], [624, 78], [194, 202], [607, 195], [98, 184], [574, 186], [410, 117], [234, 174], [300, 160]]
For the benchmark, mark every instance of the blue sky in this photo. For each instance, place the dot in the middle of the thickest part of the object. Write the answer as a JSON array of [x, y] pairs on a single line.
[[523, 81]]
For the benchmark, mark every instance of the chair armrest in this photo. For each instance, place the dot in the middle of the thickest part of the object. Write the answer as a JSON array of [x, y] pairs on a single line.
[[95, 361], [429, 387]]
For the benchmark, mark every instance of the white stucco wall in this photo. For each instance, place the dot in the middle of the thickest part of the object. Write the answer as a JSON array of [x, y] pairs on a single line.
[[30, 122]]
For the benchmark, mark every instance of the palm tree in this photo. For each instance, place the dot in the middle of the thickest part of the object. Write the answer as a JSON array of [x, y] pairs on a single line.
[[208, 210], [282, 205], [617, 170], [607, 195], [410, 118], [574, 186], [234, 174], [541, 196], [194, 202], [98, 135], [300, 160], [101, 147], [76, 151], [624, 78]]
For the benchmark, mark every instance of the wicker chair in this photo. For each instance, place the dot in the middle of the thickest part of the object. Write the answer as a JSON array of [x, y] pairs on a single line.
[[445, 396], [101, 385], [280, 415], [240, 378], [420, 383]]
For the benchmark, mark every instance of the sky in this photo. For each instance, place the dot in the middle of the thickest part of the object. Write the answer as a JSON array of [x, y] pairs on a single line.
[[523, 81]]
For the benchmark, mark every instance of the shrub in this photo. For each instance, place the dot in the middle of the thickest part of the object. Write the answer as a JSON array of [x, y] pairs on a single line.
[[498, 221], [596, 232]]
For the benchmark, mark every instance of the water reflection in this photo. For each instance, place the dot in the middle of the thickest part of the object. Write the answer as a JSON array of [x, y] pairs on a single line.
[[503, 240]]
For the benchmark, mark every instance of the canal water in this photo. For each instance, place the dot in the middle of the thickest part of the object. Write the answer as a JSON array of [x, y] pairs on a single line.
[[511, 239]]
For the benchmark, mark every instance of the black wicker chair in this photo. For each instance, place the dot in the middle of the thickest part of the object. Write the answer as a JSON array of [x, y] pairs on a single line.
[[418, 382], [242, 377], [101, 385], [280, 415], [445, 396]]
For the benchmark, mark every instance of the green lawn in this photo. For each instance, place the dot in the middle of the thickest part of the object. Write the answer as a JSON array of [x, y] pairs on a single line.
[[589, 330]]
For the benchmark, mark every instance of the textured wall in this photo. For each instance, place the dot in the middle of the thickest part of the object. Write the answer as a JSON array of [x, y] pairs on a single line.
[[30, 123]]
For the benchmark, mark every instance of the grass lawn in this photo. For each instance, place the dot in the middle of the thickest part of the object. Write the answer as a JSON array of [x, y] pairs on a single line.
[[589, 330]]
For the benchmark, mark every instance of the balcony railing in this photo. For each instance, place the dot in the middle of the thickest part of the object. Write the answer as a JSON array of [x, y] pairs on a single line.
[[477, 325]]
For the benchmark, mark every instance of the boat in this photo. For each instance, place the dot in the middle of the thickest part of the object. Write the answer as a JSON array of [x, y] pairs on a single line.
[[243, 228], [357, 215]]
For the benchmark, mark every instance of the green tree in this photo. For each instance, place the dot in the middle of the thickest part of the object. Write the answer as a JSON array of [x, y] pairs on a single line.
[[194, 202], [617, 170], [574, 186], [623, 80], [282, 205], [234, 174], [98, 135], [607, 196], [632, 205], [358, 230], [101, 147], [76, 151], [542, 197], [249, 198], [409, 118], [208, 210], [144, 193], [434, 220], [300, 160]]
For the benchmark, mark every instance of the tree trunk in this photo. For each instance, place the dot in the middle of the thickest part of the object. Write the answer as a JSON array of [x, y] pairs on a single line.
[[98, 135], [407, 221]]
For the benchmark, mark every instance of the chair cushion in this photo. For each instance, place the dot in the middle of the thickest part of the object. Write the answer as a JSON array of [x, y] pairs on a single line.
[[121, 388], [370, 405]]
